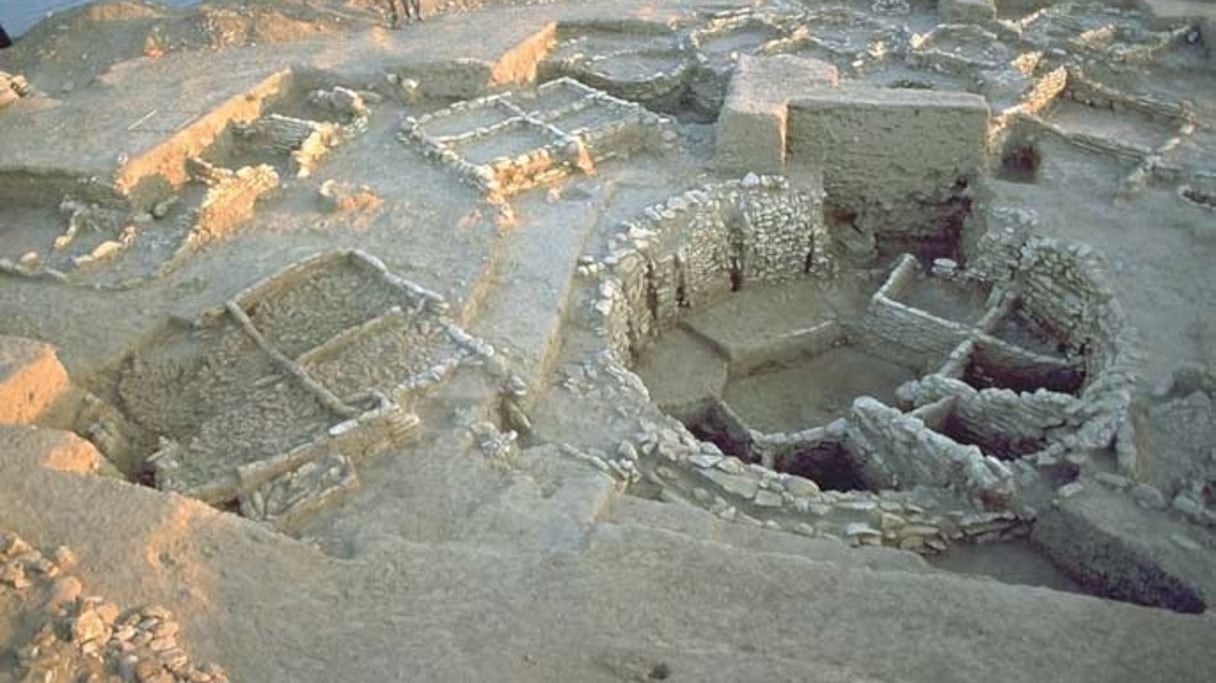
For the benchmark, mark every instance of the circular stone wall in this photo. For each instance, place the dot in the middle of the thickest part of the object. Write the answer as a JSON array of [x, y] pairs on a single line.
[[948, 381]]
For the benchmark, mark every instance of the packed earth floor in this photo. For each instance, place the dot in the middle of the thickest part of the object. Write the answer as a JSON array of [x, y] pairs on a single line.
[[698, 340]]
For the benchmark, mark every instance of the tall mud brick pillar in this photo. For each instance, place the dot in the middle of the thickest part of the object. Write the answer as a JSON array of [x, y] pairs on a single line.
[[751, 131], [899, 162]]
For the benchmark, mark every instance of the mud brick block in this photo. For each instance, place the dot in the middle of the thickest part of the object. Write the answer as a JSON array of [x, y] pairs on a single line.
[[751, 129], [889, 144]]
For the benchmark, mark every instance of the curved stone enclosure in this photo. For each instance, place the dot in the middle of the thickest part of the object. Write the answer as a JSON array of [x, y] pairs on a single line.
[[1014, 361], [699, 246]]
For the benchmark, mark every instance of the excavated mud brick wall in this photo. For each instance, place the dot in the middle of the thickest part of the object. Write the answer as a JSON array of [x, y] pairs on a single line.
[[892, 157], [752, 126], [145, 179]]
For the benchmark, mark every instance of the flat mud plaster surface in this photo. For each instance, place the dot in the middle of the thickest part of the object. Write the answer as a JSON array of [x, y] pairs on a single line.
[[665, 340]]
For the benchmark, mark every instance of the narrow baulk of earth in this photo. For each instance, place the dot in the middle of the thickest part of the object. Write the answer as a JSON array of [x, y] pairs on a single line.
[[574, 342]]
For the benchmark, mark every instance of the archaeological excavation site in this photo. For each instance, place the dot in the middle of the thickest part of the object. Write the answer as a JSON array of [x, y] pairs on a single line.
[[573, 340]]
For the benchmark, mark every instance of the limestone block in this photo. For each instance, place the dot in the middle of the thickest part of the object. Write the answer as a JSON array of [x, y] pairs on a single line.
[[751, 129], [31, 379], [966, 11]]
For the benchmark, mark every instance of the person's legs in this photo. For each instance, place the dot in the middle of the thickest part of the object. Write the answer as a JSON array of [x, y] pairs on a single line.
[[416, 8]]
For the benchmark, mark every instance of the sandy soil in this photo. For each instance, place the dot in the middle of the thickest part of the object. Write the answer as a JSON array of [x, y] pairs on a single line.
[[446, 564]]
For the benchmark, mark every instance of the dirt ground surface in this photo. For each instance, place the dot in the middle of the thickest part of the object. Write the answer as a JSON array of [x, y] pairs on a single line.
[[311, 362]]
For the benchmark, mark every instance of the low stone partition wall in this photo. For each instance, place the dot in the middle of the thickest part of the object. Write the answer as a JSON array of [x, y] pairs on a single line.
[[276, 341], [1163, 158], [505, 144], [1065, 287], [900, 452], [922, 519], [1006, 387], [889, 321]]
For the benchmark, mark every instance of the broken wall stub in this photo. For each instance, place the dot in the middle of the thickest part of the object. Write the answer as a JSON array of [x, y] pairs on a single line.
[[12, 88], [893, 158], [229, 201], [750, 134], [899, 451]]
